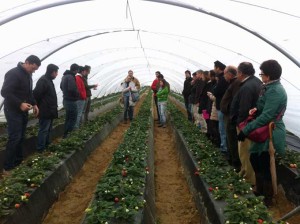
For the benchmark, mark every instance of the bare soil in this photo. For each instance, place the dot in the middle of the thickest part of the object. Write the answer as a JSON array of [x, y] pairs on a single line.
[[174, 202], [72, 202]]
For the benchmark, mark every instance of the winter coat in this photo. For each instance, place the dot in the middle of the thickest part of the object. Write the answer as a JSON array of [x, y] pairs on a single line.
[[162, 94], [45, 95], [233, 88], [87, 86], [187, 87], [154, 86], [69, 87], [80, 87], [196, 91], [17, 89], [271, 102], [220, 89], [126, 88], [245, 99]]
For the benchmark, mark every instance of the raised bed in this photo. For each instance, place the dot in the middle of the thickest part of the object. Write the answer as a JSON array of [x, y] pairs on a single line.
[[139, 167], [43, 197], [30, 144]]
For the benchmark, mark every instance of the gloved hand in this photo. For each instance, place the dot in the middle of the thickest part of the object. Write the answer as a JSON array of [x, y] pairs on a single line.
[[241, 136]]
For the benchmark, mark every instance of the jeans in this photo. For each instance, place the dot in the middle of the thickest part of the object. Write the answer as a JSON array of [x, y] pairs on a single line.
[[156, 105], [80, 108], [128, 110], [16, 127], [162, 106], [45, 127], [223, 146], [188, 108], [71, 116], [86, 110]]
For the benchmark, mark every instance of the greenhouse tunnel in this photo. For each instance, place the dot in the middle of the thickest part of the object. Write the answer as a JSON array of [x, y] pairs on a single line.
[[146, 36]]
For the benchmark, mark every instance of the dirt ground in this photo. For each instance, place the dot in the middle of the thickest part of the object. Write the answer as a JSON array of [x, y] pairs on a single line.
[[174, 202], [72, 202]]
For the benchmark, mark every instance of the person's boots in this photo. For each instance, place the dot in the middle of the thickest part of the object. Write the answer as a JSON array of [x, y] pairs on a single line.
[[268, 193], [259, 185]]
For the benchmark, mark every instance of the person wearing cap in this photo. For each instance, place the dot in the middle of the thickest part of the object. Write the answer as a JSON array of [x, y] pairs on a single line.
[[70, 97], [219, 92], [230, 75], [45, 96], [18, 100], [82, 94], [88, 88]]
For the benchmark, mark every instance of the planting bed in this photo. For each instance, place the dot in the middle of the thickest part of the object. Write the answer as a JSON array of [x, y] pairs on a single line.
[[288, 181], [44, 188]]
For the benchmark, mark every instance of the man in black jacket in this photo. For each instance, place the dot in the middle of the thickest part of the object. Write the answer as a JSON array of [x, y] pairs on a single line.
[[70, 97], [45, 95], [18, 100], [187, 86]]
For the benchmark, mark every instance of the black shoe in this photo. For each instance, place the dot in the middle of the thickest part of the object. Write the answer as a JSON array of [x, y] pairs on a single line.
[[160, 125]]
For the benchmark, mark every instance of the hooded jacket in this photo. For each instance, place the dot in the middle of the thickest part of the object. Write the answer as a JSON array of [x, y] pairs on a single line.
[[69, 87], [17, 88], [45, 95]]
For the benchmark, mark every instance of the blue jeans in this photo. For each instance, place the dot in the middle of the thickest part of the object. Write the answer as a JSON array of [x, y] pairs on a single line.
[[222, 131], [188, 108], [80, 108], [16, 127], [128, 110], [45, 127], [71, 116], [162, 106]]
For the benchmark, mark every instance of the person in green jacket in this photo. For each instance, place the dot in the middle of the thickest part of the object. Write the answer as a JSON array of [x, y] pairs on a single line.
[[271, 105], [162, 98]]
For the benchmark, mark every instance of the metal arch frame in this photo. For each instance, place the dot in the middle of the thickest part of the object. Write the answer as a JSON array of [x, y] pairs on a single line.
[[168, 2], [190, 7]]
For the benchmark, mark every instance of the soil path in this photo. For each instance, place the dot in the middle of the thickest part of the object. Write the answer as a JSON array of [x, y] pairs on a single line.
[[174, 202], [72, 202]]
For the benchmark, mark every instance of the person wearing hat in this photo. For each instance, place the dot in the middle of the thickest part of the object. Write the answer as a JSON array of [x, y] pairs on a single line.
[[218, 92], [70, 97], [45, 96], [18, 100]]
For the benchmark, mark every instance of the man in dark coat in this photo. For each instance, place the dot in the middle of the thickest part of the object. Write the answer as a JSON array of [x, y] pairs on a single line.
[[18, 100], [45, 95], [219, 92], [70, 97], [187, 86], [230, 73], [243, 101]]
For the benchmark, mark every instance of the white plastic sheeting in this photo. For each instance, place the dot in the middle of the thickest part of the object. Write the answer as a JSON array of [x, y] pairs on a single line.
[[114, 36]]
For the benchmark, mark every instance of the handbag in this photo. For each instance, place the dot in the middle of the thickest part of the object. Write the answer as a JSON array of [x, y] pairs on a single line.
[[260, 134], [135, 96]]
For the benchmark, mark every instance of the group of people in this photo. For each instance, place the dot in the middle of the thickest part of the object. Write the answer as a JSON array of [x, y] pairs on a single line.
[[161, 89], [20, 97], [217, 101]]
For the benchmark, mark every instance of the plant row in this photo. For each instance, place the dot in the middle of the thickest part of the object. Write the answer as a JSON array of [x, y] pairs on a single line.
[[16, 189], [224, 184], [119, 195]]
